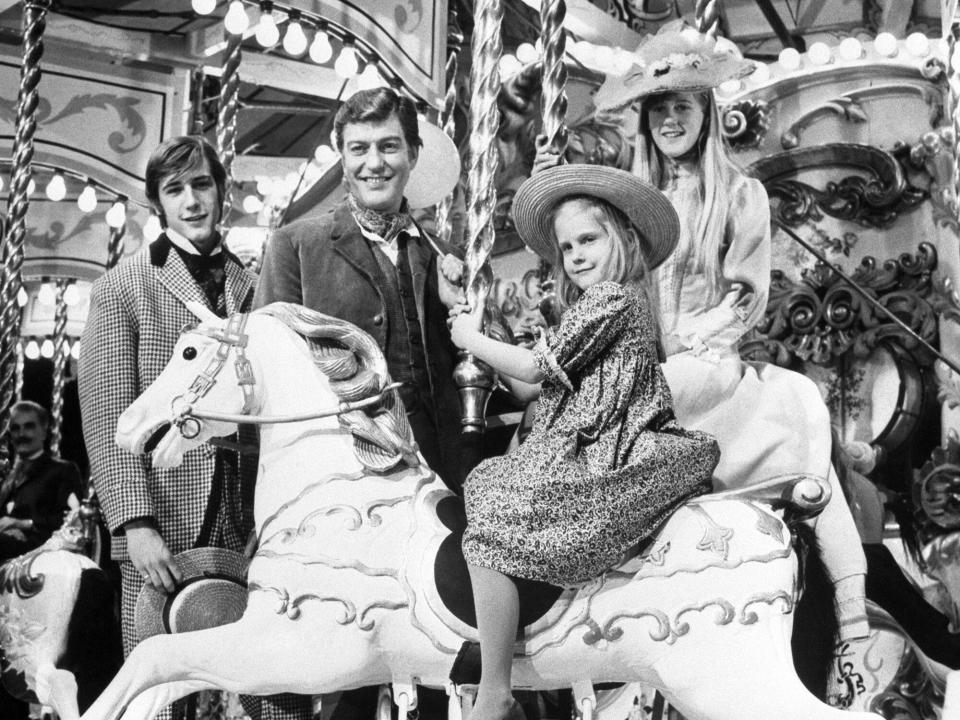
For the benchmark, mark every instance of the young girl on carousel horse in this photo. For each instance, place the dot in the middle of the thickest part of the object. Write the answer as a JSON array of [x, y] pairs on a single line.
[[714, 287], [605, 462]]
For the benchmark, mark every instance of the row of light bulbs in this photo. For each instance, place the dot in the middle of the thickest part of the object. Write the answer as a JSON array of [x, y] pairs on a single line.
[[34, 350], [819, 54], [87, 201], [47, 295], [295, 41]]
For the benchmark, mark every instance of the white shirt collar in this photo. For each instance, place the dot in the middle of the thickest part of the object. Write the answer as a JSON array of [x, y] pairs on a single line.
[[188, 247]]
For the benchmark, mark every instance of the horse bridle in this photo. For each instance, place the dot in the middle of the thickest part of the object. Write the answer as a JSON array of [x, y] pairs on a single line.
[[232, 337]]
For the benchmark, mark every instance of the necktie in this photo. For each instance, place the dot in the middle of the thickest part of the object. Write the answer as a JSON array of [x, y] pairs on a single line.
[[210, 274]]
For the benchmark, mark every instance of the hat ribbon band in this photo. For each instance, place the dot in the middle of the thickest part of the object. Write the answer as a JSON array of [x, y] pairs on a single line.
[[186, 418]]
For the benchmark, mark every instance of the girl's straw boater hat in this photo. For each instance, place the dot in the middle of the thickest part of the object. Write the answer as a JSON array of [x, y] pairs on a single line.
[[676, 59], [646, 208]]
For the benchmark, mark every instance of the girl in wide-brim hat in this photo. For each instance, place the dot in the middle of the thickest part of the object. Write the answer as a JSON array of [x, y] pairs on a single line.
[[714, 287], [604, 463]]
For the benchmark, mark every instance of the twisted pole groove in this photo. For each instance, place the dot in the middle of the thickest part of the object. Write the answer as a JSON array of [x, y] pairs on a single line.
[[60, 352], [707, 14], [553, 39], [34, 25], [227, 116]]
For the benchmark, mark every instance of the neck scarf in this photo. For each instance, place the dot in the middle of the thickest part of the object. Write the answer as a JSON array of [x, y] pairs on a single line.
[[385, 224]]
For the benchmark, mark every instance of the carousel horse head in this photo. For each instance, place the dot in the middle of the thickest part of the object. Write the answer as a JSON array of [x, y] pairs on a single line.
[[197, 398]]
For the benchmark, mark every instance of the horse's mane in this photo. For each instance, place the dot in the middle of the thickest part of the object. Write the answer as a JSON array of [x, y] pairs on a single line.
[[356, 369]]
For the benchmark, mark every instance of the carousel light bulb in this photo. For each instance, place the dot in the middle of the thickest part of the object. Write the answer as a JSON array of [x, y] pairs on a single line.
[[252, 204], [71, 296], [31, 187], [236, 21], [370, 78], [885, 44], [57, 187], [32, 350], [117, 214], [75, 350], [46, 294], [152, 228], [819, 53], [761, 74], [955, 60], [789, 59], [917, 44], [320, 49], [87, 201], [46, 348], [509, 65], [264, 185], [850, 49], [324, 155], [22, 296], [204, 7], [346, 65], [267, 33], [729, 87], [295, 41], [527, 53]]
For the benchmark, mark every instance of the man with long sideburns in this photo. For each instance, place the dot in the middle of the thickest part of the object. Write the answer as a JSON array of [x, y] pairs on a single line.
[[137, 311]]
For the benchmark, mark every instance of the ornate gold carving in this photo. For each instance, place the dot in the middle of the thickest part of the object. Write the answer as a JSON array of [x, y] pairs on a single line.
[[821, 318], [936, 486], [745, 123], [848, 107], [874, 201]]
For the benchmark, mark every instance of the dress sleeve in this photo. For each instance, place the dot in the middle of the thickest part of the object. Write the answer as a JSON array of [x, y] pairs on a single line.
[[586, 330], [745, 273], [108, 382]]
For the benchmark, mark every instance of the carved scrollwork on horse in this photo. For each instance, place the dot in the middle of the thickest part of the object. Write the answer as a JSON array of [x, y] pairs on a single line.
[[821, 318], [874, 201]]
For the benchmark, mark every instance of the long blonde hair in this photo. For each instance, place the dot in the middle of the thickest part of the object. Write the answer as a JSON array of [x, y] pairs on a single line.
[[629, 262], [718, 174]]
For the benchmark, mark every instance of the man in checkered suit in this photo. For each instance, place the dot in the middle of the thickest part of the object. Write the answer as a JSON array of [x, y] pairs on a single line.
[[137, 311]]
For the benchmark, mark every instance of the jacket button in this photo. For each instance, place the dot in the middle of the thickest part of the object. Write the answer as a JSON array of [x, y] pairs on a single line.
[[378, 319]]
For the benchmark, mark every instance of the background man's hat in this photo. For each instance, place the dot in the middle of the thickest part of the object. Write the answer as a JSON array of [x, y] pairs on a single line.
[[646, 208], [676, 59], [213, 592]]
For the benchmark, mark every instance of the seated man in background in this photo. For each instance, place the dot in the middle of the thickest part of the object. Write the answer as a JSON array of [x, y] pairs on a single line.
[[33, 496], [33, 501]]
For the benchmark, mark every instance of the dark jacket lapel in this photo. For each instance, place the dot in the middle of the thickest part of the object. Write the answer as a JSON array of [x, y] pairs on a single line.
[[349, 243], [239, 286], [173, 274]]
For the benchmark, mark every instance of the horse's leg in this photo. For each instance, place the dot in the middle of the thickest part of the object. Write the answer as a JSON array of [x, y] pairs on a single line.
[[757, 682], [147, 704], [58, 689]]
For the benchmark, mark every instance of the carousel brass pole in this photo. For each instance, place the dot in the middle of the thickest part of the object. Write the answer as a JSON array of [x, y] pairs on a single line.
[[707, 14], [21, 360], [448, 122], [60, 352], [475, 379], [115, 245], [554, 41], [227, 116], [34, 24]]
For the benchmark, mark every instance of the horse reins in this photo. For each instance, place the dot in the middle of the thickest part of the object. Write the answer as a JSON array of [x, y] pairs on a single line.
[[187, 419]]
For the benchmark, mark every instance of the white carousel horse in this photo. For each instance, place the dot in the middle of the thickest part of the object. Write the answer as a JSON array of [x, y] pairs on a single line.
[[342, 589], [58, 624]]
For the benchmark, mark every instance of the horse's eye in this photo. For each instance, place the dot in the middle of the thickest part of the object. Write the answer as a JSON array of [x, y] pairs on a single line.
[[189, 352]]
